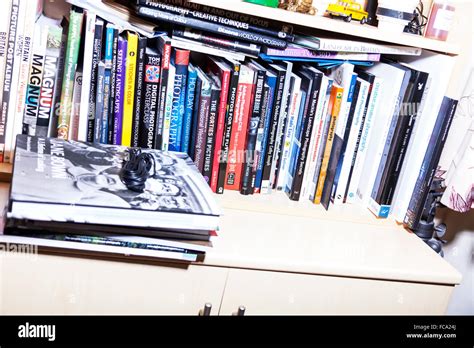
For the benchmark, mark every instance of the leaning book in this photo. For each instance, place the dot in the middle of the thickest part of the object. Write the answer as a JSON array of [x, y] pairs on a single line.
[[69, 181]]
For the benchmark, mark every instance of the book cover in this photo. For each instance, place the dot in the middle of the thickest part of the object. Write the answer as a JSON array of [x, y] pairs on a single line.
[[72, 53], [150, 103], [164, 47], [139, 80], [189, 108], [119, 90], [129, 91], [88, 176]]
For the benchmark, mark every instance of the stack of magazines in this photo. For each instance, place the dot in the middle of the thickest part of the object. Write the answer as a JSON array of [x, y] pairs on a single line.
[[74, 196]]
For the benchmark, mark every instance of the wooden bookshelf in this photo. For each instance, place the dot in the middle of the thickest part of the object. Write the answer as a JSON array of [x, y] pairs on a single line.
[[5, 172], [333, 25]]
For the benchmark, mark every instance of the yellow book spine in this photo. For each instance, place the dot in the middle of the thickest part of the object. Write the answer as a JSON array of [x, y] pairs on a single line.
[[129, 93], [336, 96]]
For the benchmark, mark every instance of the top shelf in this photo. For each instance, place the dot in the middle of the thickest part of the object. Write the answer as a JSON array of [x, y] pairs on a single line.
[[332, 25]]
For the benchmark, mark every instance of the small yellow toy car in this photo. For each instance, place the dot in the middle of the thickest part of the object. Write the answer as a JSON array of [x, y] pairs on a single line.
[[348, 10]]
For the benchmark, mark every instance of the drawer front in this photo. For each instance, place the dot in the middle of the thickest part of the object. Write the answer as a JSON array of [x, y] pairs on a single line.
[[262, 292], [43, 284]]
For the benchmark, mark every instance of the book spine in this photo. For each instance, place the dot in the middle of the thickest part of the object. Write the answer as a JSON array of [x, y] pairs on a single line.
[[195, 118], [113, 84], [307, 131], [87, 87], [150, 103], [336, 95], [137, 104], [199, 24], [203, 119], [99, 105], [252, 129], [300, 52], [104, 127], [353, 139], [129, 92], [273, 126], [165, 64], [189, 109], [76, 100], [363, 143], [239, 129], [168, 107], [35, 79], [96, 57], [181, 60], [338, 45], [5, 12], [221, 120], [119, 90], [430, 162], [229, 121], [263, 134], [211, 135], [72, 52], [235, 45], [217, 19], [11, 49]]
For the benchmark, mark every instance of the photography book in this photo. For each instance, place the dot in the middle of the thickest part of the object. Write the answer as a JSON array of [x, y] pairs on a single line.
[[70, 181]]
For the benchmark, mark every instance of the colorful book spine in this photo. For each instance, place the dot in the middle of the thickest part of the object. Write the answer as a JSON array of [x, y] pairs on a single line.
[[229, 120], [119, 90], [129, 92], [99, 105], [150, 103], [336, 95], [90, 19], [252, 129], [113, 83], [168, 107], [72, 52], [189, 107], [239, 129], [211, 129], [177, 19], [76, 100], [139, 80], [202, 120], [181, 62], [164, 47]]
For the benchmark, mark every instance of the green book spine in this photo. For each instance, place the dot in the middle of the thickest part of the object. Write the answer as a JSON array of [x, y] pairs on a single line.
[[72, 52]]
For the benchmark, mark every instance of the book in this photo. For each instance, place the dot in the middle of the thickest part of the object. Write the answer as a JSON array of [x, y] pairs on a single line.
[[119, 90], [175, 196], [72, 53], [189, 108], [4, 29], [139, 80], [195, 117], [175, 18], [165, 139], [76, 101], [164, 48], [99, 105], [202, 118], [129, 90], [301, 52], [113, 85]]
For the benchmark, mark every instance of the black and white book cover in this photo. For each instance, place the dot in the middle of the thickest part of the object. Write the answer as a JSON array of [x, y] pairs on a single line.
[[58, 180]]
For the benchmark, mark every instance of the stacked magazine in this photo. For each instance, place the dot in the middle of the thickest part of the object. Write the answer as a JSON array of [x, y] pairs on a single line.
[[74, 196]]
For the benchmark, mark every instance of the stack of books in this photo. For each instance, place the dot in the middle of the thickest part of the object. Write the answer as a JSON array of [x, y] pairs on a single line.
[[90, 198]]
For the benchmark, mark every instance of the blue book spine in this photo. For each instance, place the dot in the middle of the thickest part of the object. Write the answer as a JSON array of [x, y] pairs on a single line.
[[189, 107], [181, 60], [271, 82]]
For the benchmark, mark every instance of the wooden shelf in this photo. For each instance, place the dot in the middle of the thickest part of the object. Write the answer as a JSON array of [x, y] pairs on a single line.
[[332, 25], [5, 172]]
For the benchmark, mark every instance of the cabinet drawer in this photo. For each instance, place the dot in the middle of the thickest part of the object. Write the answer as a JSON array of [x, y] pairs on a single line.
[[43, 284], [262, 292]]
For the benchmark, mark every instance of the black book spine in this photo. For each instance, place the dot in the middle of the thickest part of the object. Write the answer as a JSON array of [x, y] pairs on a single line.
[[113, 83], [216, 28], [229, 19], [139, 78], [165, 49], [401, 149], [267, 168], [308, 123], [246, 184], [430, 162], [151, 88], [96, 57], [234, 81], [211, 134]]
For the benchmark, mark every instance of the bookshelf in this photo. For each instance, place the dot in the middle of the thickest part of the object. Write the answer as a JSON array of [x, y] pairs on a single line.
[[333, 25]]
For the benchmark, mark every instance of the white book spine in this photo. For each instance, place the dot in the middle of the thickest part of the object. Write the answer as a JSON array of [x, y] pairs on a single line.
[[343, 77], [10, 121], [281, 124], [27, 50], [86, 75], [169, 100], [366, 139], [315, 139], [293, 112], [437, 83], [352, 142], [366, 47], [5, 8]]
